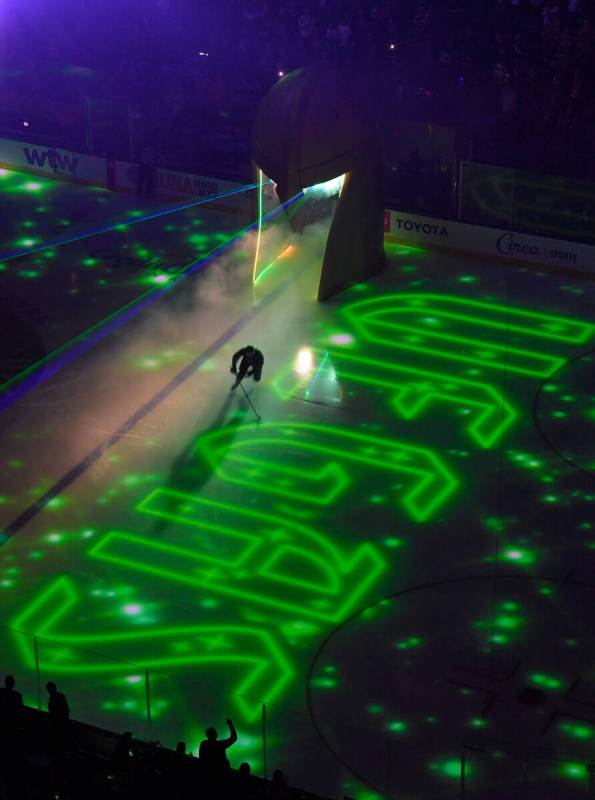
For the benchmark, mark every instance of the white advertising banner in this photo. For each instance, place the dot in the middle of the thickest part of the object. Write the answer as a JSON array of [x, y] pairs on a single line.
[[55, 162], [475, 239], [52, 162], [182, 185]]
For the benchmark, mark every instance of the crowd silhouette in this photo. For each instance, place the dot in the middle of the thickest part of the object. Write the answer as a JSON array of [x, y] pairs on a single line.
[[513, 75], [48, 756]]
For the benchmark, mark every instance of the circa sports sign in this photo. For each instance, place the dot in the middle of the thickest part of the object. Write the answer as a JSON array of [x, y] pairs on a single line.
[[479, 240], [512, 243]]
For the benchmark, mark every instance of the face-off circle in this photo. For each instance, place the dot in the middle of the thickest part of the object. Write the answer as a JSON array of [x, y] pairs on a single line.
[[498, 668], [564, 412]]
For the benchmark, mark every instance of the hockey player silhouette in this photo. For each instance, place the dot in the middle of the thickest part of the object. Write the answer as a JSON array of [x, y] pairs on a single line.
[[251, 362]]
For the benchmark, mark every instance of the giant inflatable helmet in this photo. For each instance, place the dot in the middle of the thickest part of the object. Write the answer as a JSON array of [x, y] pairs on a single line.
[[311, 127]]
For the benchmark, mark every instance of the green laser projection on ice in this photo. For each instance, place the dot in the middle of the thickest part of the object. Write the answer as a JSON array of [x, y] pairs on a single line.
[[334, 460], [252, 556], [272, 535], [262, 667], [458, 329], [414, 391]]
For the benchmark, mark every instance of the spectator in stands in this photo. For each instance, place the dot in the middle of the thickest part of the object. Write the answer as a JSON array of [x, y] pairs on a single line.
[[247, 786], [181, 749], [213, 751], [244, 770], [122, 754], [183, 772], [57, 705], [59, 712], [278, 789], [11, 742], [11, 704], [149, 781]]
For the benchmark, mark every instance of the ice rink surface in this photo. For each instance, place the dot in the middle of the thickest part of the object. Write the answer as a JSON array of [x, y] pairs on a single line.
[[397, 562]]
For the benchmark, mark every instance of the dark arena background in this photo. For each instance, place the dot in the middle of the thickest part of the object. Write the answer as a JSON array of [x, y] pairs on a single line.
[[378, 560]]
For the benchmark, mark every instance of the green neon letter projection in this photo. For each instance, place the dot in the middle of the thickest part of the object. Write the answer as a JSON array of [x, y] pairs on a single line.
[[267, 522]]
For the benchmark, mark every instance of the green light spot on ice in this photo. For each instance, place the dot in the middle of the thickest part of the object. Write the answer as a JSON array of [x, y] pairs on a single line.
[[517, 555], [546, 681], [574, 770], [577, 731], [406, 644], [375, 709], [324, 683], [397, 726], [450, 768], [393, 542], [499, 638], [478, 722], [56, 502], [508, 622]]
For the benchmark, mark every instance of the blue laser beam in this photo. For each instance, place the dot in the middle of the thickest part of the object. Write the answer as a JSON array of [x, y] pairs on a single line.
[[97, 231]]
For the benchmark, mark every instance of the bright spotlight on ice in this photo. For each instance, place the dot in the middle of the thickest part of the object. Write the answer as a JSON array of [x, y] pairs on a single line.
[[327, 189], [132, 609], [304, 361], [342, 338]]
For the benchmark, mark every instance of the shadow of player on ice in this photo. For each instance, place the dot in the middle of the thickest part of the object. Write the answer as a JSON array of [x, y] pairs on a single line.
[[189, 473]]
